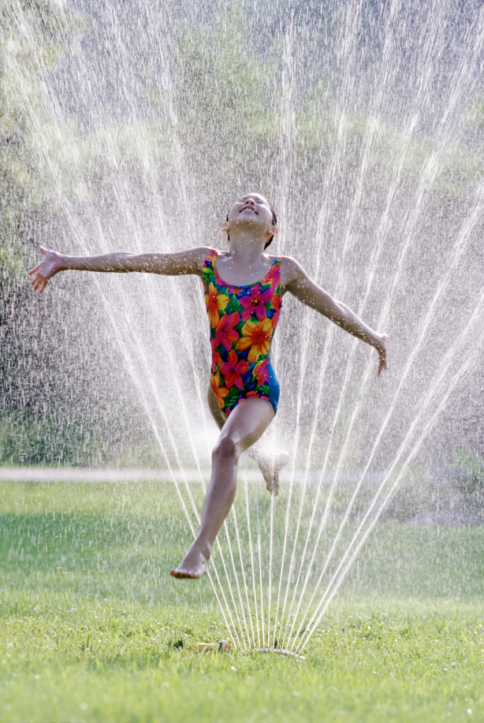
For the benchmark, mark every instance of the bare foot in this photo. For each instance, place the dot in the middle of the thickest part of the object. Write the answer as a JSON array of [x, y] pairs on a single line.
[[193, 566], [270, 466]]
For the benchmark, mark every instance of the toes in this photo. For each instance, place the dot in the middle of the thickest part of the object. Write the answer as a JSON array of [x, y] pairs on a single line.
[[181, 574]]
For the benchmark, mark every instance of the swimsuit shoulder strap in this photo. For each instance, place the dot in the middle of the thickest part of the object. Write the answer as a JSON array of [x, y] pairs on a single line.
[[210, 257], [277, 264], [208, 271]]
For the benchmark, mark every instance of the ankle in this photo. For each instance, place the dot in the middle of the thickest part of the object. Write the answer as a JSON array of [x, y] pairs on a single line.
[[204, 548]]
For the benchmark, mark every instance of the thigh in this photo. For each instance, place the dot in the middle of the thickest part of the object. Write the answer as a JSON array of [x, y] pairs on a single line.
[[219, 417], [248, 422]]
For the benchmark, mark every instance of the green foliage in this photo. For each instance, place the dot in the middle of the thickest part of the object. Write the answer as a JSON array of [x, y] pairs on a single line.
[[223, 100], [27, 439], [234, 115], [34, 37], [475, 116], [228, 109], [44, 163], [471, 471]]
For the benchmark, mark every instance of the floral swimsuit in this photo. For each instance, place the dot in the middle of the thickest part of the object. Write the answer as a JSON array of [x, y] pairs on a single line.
[[242, 322]]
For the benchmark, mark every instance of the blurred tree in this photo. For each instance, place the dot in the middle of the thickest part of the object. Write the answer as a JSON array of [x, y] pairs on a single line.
[[37, 423], [33, 38], [238, 108]]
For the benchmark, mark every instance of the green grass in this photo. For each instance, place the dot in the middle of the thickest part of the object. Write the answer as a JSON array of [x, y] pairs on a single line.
[[92, 628]]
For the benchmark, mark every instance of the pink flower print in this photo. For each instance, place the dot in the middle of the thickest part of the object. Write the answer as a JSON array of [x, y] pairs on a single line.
[[273, 276], [261, 371], [276, 303], [233, 369], [225, 333], [255, 304]]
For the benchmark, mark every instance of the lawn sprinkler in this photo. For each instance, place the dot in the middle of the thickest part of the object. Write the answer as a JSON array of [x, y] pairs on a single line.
[[281, 652], [213, 647]]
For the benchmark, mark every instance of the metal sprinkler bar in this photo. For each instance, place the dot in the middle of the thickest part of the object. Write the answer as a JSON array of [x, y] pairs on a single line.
[[280, 652]]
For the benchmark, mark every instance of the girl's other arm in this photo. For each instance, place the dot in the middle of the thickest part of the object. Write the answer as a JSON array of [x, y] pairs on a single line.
[[297, 282], [175, 264]]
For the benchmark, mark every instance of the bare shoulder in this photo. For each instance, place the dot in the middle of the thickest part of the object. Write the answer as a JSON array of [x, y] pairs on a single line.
[[195, 258], [291, 270], [200, 253]]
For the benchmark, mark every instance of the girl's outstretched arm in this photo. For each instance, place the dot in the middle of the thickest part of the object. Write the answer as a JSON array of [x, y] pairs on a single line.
[[175, 264], [297, 282]]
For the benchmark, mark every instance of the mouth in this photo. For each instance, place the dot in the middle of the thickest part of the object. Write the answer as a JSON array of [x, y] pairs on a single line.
[[248, 208]]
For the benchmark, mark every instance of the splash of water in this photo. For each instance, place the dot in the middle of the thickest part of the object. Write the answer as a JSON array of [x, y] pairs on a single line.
[[359, 127]]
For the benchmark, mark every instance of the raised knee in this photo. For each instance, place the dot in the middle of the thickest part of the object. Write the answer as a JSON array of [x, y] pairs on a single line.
[[226, 449]]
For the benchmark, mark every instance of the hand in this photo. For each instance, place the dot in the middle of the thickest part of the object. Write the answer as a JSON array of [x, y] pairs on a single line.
[[381, 348], [46, 269]]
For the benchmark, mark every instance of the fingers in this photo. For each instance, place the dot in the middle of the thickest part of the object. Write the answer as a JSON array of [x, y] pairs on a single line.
[[382, 366], [43, 250], [32, 271], [39, 282]]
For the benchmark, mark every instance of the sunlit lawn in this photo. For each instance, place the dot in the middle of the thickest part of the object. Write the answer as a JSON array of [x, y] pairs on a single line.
[[93, 628]]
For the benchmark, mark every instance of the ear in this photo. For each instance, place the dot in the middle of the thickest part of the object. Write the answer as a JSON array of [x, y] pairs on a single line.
[[274, 230], [225, 226]]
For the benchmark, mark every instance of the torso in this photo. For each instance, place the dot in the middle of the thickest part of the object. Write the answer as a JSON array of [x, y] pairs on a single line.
[[235, 276], [243, 318]]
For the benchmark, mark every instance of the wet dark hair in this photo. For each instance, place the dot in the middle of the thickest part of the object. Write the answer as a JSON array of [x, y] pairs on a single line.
[[274, 222]]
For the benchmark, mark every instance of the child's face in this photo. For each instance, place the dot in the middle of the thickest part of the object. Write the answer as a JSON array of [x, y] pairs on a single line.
[[251, 211]]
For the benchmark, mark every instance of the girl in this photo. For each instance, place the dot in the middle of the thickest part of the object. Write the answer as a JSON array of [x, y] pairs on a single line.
[[243, 292]]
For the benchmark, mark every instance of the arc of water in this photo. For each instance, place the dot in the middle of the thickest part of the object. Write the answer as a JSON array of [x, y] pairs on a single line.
[[261, 579], [182, 403], [259, 558], [155, 395], [190, 495], [131, 370], [252, 563], [56, 176], [469, 362], [370, 131], [433, 169], [141, 390], [243, 577], [235, 571], [458, 251], [188, 426], [287, 128], [346, 248], [322, 215], [269, 596], [180, 176], [377, 250], [367, 143], [160, 406]]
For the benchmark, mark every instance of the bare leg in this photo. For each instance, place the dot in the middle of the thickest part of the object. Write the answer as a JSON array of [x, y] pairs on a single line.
[[269, 464], [246, 424]]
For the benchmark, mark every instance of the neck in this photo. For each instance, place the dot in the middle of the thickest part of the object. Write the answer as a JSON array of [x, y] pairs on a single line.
[[245, 248]]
